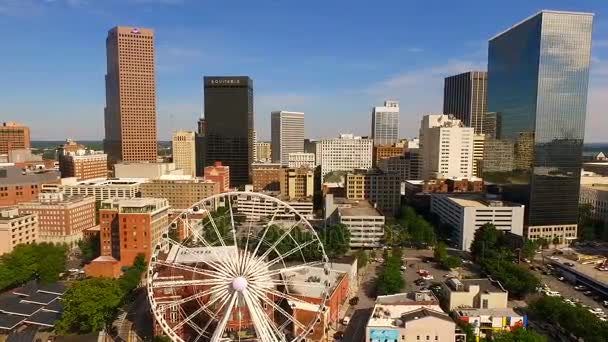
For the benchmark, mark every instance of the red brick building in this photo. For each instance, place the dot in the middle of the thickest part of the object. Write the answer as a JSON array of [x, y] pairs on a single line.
[[17, 186], [219, 174], [13, 136]]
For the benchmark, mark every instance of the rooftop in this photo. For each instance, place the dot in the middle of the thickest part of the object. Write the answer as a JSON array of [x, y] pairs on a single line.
[[423, 313], [536, 14], [497, 312], [135, 205], [478, 201], [485, 285], [356, 208], [315, 278], [390, 310]]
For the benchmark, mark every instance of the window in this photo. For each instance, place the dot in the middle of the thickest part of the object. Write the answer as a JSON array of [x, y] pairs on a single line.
[[484, 304]]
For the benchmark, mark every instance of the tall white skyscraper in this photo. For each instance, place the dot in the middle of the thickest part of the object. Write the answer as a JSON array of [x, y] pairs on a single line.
[[385, 123], [446, 147], [345, 153], [184, 151], [287, 135]]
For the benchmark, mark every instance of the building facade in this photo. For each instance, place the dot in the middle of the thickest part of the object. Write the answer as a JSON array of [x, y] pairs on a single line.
[[75, 160], [446, 147], [466, 213], [101, 188], [596, 195], [130, 112], [363, 220], [380, 188], [478, 147], [266, 177], [385, 123], [181, 191], [538, 75], [287, 134], [145, 170], [296, 183], [465, 96], [345, 153], [263, 152], [388, 151], [61, 219], [14, 136], [16, 229], [184, 151], [220, 174], [296, 160], [229, 118], [17, 186]]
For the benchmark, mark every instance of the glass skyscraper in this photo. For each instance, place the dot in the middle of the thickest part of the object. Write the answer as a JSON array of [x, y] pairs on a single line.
[[538, 73]]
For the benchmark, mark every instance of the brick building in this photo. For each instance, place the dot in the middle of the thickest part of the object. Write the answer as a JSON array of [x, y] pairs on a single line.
[[220, 174], [16, 229], [181, 191], [388, 151], [266, 177], [18, 186], [13, 136], [76, 161]]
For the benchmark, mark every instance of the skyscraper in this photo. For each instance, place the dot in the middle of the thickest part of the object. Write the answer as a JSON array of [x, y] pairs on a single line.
[[385, 123], [184, 151], [464, 96], [229, 119], [287, 135], [130, 113], [13, 136], [538, 73]]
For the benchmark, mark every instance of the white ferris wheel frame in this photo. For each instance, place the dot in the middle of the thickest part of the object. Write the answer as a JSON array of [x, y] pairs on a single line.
[[244, 277]]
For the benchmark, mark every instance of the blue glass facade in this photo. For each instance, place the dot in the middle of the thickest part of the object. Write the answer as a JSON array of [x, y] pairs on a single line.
[[538, 73]]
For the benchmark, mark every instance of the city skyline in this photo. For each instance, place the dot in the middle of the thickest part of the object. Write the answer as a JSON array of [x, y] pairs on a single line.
[[340, 76]]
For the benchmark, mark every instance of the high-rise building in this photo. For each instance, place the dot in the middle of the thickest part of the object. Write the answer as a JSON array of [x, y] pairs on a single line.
[[345, 153], [446, 147], [220, 174], [14, 136], [61, 219], [388, 151], [287, 134], [478, 147], [75, 160], [184, 151], [263, 152], [199, 146], [538, 74], [297, 183], [130, 113], [464, 96], [385, 123], [181, 191], [380, 188], [265, 177], [301, 159], [229, 118]]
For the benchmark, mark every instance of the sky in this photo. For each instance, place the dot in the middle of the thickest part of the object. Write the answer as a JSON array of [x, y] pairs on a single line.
[[331, 59]]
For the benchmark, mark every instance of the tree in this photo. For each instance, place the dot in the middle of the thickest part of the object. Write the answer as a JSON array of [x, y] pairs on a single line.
[[336, 240], [390, 279], [529, 248], [90, 248], [485, 240], [556, 240], [450, 262], [543, 243], [88, 305], [440, 251], [161, 339], [518, 335], [43, 261], [362, 258]]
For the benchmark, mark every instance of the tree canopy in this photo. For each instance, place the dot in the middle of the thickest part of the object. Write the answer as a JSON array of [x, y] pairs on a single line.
[[390, 279], [42, 261], [409, 228], [518, 335], [90, 248]]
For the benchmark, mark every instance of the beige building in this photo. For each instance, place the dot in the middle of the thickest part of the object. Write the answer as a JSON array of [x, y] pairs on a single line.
[[130, 112], [474, 293], [414, 316], [596, 195], [380, 188], [388, 151], [184, 152], [61, 219], [100, 188], [478, 145], [13, 136], [363, 220], [266, 177], [296, 182], [301, 159], [181, 191], [263, 152], [145, 170], [16, 229]]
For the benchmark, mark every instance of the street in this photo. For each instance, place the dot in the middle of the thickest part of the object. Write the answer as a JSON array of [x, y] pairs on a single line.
[[355, 332]]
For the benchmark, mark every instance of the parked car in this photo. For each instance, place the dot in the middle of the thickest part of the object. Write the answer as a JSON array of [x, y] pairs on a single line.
[[605, 303], [553, 258], [403, 268], [345, 320], [588, 293], [569, 264], [580, 288]]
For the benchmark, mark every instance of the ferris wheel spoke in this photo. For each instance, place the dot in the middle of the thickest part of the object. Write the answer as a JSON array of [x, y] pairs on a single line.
[[204, 307], [191, 324], [196, 270], [296, 249], [178, 283], [262, 296], [260, 319], [260, 259], [268, 225], [221, 328], [271, 273], [209, 291], [217, 232], [222, 269], [286, 296]]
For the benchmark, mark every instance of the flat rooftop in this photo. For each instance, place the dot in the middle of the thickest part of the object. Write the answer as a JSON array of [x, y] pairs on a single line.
[[356, 208], [314, 277], [588, 270], [477, 201], [485, 284], [497, 312]]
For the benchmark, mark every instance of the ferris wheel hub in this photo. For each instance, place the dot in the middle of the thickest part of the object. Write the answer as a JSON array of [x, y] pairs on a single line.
[[239, 284]]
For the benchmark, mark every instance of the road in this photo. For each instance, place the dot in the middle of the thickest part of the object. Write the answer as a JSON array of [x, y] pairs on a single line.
[[355, 332]]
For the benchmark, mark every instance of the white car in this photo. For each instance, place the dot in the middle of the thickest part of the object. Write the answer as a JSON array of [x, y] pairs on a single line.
[[428, 277], [553, 258], [552, 293], [403, 268], [345, 320]]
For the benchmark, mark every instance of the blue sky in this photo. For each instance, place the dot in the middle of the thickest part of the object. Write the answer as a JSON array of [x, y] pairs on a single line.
[[333, 60]]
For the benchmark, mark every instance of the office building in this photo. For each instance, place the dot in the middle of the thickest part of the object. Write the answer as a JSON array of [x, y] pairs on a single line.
[[184, 152], [466, 213], [14, 136], [255, 207], [181, 191], [380, 188], [145, 170], [130, 112], [498, 156], [538, 73], [413, 316], [128, 227], [363, 220], [296, 183], [18, 186], [16, 229], [385, 123], [287, 134], [75, 160], [263, 152], [200, 146], [310, 146], [229, 119], [265, 177], [100, 188], [296, 160], [61, 219], [344, 153], [491, 125], [446, 147], [465, 96], [596, 195], [220, 174], [388, 151], [478, 147]]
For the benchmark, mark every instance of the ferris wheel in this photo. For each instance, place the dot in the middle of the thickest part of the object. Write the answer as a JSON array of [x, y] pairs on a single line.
[[239, 266]]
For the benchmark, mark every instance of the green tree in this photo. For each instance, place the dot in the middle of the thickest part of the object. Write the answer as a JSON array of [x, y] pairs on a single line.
[[440, 251], [161, 339], [90, 248], [529, 248], [43, 261], [485, 240], [518, 335], [336, 240], [88, 305], [556, 240], [390, 279], [362, 258], [450, 262]]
